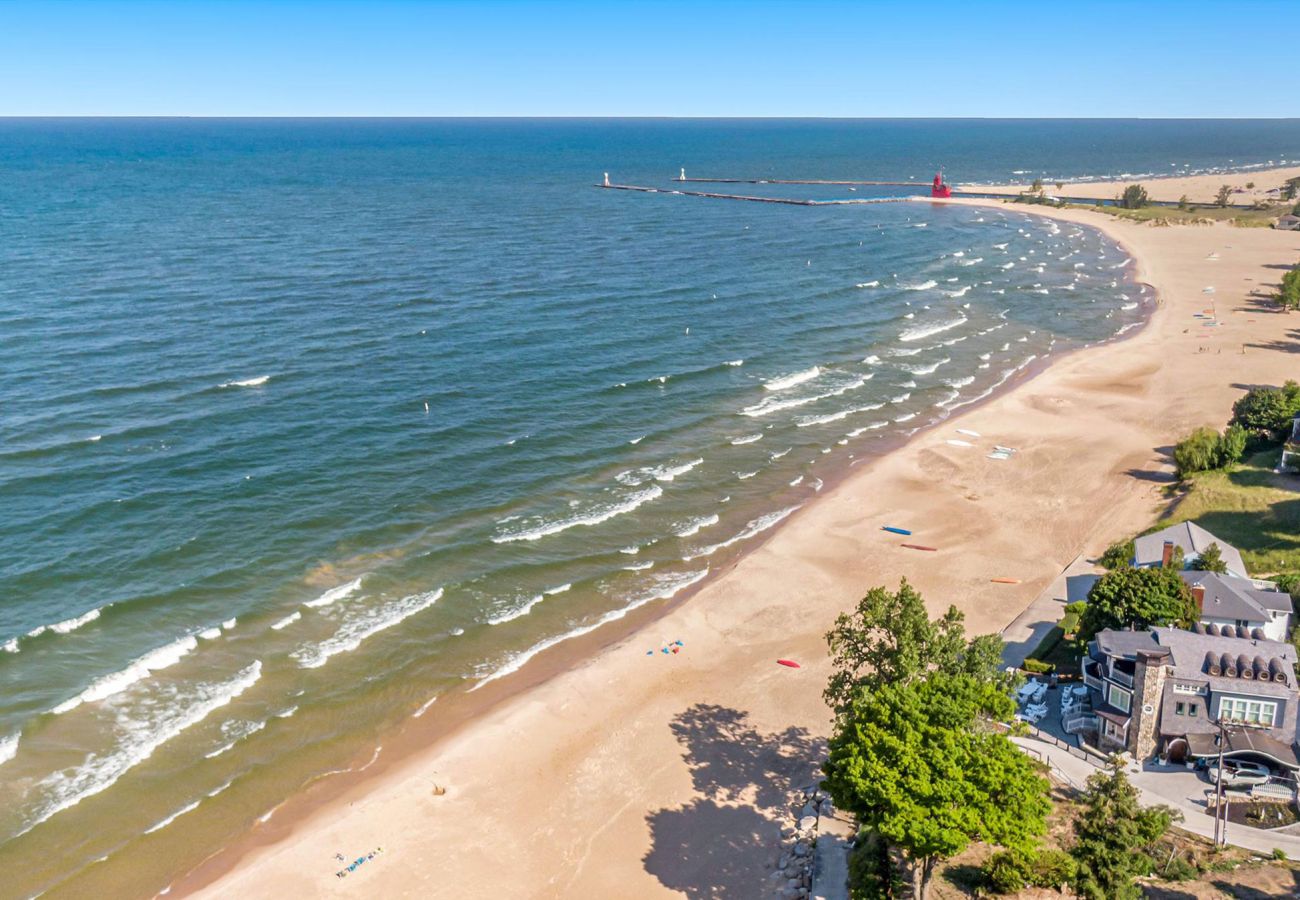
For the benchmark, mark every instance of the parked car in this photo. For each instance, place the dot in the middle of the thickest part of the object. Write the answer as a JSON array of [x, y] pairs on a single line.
[[1239, 774]]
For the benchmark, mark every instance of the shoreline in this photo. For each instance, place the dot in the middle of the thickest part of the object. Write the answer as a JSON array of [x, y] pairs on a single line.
[[519, 693]]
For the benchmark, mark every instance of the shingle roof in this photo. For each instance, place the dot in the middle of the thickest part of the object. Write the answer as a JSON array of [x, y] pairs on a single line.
[[1149, 549], [1229, 597], [1189, 651]]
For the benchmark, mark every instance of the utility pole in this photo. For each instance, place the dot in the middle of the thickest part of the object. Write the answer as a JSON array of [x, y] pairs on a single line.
[[1220, 797]]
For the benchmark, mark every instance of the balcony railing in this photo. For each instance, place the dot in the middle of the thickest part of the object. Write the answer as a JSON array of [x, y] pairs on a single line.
[[1080, 723], [1092, 681], [1117, 676]]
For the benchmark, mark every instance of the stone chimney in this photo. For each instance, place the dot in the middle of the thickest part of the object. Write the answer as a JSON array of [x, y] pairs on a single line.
[[1198, 594], [1149, 675], [1167, 554]]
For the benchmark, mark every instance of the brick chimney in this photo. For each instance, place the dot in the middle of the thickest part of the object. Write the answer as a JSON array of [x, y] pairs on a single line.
[[1198, 594], [1167, 554]]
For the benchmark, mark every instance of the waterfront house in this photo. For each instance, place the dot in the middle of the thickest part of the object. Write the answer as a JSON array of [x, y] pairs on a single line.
[[1157, 548], [1244, 603], [1165, 691], [1288, 222]]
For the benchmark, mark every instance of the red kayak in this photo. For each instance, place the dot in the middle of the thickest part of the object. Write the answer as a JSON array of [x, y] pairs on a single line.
[[788, 662], [920, 547]]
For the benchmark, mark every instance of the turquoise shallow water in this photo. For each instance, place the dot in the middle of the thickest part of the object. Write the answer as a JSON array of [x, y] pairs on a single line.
[[305, 423]]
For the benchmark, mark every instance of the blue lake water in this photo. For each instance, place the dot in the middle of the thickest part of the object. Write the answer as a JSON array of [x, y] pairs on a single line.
[[306, 423]]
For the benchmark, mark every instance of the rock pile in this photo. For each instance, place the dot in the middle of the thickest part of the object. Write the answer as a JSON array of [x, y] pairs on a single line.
[[792, 873]]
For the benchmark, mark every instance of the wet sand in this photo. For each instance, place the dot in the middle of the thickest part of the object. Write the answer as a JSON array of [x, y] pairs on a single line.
[[641, 776]]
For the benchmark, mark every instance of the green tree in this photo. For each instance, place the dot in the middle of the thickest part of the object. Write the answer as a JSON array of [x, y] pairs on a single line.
[[1037, 186], [1211, 560], [1198, 452], [1134, 197], [890, 638], [1268, 411], [1250, 185], [1118, 555], [1224, 195], [1232, 444], [1289, 189], [1183, 202], [1111, 834], [1139, 598], [1288, 295], [918, 763]]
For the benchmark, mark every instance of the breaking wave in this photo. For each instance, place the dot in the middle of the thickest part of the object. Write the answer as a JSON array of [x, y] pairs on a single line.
[[371, 622]]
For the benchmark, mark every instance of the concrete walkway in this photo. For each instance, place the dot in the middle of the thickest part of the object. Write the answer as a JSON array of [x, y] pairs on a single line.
[[831, 863], [1028, 629], [1171, 785]]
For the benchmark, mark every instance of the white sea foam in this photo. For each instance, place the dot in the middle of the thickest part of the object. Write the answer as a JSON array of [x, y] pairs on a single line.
[[248, 382], [755, 527], [334, 594], [158, 826], [971, 262], [923, 286], [806, 421], [287, 713], [923, 331], [872, 360], [229, 624], [666, 587], [772, 405], [631, 551], [779, 453], [960, 292], [927, 368], [746, 475], [559, 589], [868, 284], [872, 427], [593, 516], [694, 525], [959, 382], [209, 634], [1128, 306], [108, 685], [946, 399], [235, 731], [640, 567], [516, 612], [74, 623], [747, 439], [9, 747], [287, 620], [425, 708], [370, 622], [140, 735], [10, 646], [1009, 265], [905, 418], [734, 362], [789, 381]]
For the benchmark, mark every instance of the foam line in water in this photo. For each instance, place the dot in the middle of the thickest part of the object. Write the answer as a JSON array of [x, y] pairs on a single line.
[[516, 612], [141, 733], [751, 438], [9, 747], [771, 405], [189, 807], [335, 594], [694, 525], [794, 378], [917, 332], [560, 589], [287, 620], [64, 627], [755, 527], [247, 382], [138, 670], [592, 517], [10, 646], [425, 707], [665, 588], [370, 622]]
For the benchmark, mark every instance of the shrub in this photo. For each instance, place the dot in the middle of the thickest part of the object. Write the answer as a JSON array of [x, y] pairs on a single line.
[[1232, 444], [1266, 410], [1288, 295], [1198, 452], [1118, 555], [1183, 202], [1279, 853], [1134, 197], [1053, 869], [1223, 196], [1289, 582], [1011, 871], [1038, 667]]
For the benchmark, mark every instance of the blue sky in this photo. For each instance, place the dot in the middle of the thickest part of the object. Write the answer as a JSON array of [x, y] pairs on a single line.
[[497, 57]]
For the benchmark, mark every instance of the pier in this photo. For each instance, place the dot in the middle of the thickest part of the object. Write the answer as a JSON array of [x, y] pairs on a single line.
[[915, 184], [752, 199]]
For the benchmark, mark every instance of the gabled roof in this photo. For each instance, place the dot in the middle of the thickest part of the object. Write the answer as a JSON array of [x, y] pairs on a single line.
[[1190, 650], [1148, 550], [1228, 597]]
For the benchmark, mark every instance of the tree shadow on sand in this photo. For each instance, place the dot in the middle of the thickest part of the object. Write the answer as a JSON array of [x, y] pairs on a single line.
[[715, 846]]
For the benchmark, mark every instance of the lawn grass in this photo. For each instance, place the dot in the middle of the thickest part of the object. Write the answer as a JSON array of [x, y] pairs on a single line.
[[1251, 507], [1054, 649], [1196, 215]]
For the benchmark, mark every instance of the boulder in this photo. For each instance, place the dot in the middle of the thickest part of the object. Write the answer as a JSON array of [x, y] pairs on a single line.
[[807, 823]]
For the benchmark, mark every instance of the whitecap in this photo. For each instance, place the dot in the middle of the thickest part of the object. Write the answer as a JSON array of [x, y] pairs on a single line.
[[368, 623], [158, 826], [922, 331], [959, 382], [141, 737], [734, 362], [639, 567], [960, 292], [141, 668], [751, 529], [425, 708], [9, 747], [789, 381], [10, 646], [516, 612], [868, 284], [772, 405], [209, 634], [928, 368], [665, 588], [779, 453], [905, 418], [594, 516], [807, 421], [335, 594], [248, 382], [748, 439], [560, 589], [694, 525], [287, 620], [73, 624], [923, 286], [746, 475]]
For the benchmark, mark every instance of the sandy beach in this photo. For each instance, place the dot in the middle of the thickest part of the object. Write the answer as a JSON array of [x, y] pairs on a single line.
[[644, 776], [1197, 188]]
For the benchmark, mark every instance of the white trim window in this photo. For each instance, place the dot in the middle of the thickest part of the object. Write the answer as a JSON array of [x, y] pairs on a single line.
[[1248, 712], [1188, 688], [1119, 698]]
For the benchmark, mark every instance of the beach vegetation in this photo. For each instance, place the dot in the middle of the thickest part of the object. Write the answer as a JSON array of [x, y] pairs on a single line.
[[889, 638], [1011, 871], [1290, 188], [1224, 195], [1250, 185], [1183, 202], [1134, 197], [1138, 598], [1288, 294], [1118, 555], [1206, 449], [1113, 835], [921, 764], [1210, 560], [1268, 411], [1037, 186]]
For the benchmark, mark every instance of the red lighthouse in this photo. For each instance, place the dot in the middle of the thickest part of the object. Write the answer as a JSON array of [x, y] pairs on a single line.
[[939, 189]]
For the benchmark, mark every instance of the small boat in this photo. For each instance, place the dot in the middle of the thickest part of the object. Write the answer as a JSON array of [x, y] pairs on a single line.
[[789, 662], [891, 528], [1005, 580], [921, 547]]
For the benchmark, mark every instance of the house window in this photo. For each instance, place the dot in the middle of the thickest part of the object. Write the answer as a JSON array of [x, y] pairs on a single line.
[[1178, 708], [1250, 712], [1118, 697], [1187, 688], [1191, 710]]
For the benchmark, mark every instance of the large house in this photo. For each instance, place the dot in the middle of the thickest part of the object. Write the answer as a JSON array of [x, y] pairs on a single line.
[[1232, 598], [1166, 691]]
